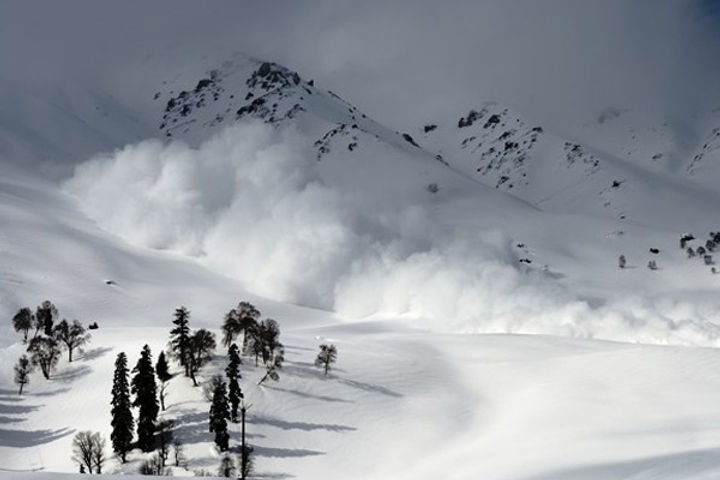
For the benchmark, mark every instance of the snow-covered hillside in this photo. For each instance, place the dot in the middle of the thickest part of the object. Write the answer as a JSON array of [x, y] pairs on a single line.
[[417, 252]]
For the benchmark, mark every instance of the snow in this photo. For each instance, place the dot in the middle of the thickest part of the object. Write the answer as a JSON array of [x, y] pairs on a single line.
[[455, 358]]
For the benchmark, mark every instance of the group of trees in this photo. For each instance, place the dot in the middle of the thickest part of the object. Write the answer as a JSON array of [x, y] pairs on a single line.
[[191, 349], [152, 434], [652, 264], [145, 387], [47, 340], [42, 320], [702, 251], [261, 339]]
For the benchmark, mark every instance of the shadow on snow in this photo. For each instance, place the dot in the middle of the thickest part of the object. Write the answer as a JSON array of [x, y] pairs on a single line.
[[30, 438]]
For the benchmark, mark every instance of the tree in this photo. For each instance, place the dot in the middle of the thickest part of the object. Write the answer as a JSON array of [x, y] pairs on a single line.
[[122, 419], [621, 261], [202, 344], [178, 452], [154, 466], [23, 368], [145, 391], [230, 328], [219, 414], [164, 438], [233, 373], [180, 338], [98, 453], [326, 357], [271, 369], [240, 319], [265, 341], [45, 353], [23, 321], [89, 451], [246, 461], [163, 374], [73, 336], [210, 386], [45, 316], [227, 467]]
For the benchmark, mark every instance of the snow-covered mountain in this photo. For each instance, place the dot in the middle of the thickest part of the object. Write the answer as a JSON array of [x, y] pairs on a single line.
[[229, 178]]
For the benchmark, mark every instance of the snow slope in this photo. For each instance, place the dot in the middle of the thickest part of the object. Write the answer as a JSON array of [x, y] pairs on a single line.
[[399, 257]]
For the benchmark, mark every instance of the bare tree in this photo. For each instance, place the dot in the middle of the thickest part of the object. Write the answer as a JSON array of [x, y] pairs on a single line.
[[271, 369], [178, 452], [44, 353], [326, 357], [98, 452], [73, 336], [164, 431], [89, 450], [23, 368], [154, 466]]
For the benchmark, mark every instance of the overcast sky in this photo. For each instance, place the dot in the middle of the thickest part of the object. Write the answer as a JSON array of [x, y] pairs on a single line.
[[405, 61]]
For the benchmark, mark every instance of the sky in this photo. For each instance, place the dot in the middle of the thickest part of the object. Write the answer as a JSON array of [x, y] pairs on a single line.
[[404, 62]]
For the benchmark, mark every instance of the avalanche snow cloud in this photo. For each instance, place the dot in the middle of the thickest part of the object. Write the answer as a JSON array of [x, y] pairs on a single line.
[[250, 203]]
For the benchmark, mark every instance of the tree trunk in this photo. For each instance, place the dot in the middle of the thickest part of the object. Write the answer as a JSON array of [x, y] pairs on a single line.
[[162, 396], [70, 349], [243, 454], [327, 365], [22, 384]]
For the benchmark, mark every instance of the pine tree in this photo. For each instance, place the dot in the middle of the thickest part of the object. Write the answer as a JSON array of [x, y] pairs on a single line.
[[23, 321], [73, 336], [180, 338], [145, 391], [45, 315], [219, 415], [122, 419], [233, 373], [45, 353], [23, 368], [163, 374], [326, 357], [246, 461]]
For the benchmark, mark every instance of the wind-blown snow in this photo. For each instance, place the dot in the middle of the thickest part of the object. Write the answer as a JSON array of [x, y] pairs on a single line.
[[251, 203]]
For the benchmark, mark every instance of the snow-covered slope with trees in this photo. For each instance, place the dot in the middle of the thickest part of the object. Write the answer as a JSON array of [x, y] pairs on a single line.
[[418, 253]]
